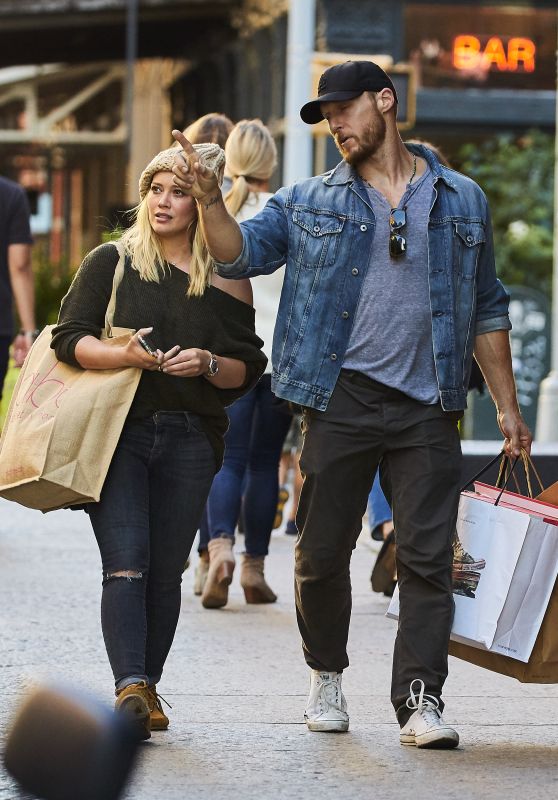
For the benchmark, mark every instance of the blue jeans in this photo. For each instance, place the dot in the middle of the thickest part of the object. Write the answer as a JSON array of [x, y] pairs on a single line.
[[379, 510], [145, 523], [250, 471]]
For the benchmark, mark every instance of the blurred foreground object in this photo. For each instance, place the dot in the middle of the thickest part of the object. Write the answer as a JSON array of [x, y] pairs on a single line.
[[64, 744]]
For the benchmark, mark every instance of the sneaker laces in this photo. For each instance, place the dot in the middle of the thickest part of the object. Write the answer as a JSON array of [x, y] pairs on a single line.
[[427, 705], [330, 692]]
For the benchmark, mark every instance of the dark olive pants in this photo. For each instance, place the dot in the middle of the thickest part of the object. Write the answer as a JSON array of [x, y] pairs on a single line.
[[418, 449]]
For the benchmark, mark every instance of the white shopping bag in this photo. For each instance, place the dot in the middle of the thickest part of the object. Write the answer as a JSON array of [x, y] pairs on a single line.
[[503, 577]]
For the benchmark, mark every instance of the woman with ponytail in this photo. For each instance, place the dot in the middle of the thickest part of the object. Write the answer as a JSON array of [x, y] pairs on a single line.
[[258, 426]]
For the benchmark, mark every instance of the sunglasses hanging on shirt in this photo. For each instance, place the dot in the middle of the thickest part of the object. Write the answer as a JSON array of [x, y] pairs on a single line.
[[397, 242]]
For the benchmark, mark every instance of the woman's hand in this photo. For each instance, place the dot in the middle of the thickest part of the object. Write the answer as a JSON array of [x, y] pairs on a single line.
[[137, 356], [190, 174], [189, 363]]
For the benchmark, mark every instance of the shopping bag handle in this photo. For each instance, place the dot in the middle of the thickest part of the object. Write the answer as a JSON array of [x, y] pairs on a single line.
[[527, 467], [508, 472], [528, 463], [501, 455], [483, 470]]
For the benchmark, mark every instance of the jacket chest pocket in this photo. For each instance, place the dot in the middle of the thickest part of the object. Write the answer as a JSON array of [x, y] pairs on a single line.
[[316, 238], [469, 237]]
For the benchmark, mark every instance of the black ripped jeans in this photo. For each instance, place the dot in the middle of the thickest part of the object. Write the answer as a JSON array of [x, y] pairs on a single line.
[[145, 523]]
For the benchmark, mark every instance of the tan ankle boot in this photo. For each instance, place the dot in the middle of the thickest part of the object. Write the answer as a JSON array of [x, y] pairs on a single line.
[[159, 720], [221, 567], [252, 580], [133, 701]]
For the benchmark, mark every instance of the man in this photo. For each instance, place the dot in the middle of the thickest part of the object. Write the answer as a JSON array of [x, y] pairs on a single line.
[[16, 275], [389, 286]]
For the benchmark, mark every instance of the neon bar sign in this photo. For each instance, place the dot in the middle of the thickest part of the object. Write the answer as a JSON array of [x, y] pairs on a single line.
[[517, 55]]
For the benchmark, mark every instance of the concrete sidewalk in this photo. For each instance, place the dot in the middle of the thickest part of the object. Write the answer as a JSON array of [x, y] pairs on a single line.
[[237, 683]]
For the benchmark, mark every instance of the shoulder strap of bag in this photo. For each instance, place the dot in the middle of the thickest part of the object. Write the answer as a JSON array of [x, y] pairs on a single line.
[[116, 281]]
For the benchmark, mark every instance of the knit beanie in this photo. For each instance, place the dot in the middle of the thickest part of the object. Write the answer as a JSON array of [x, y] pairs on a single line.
[[211, 155]]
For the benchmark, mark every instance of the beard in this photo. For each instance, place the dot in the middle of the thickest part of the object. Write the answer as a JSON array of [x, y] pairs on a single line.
[[367, 145]]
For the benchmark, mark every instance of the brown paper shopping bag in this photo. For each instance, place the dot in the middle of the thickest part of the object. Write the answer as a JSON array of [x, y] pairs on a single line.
[[63, 424], [542, 666]]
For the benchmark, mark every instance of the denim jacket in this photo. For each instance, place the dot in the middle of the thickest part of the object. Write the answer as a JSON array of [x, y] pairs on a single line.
[[322, 229]]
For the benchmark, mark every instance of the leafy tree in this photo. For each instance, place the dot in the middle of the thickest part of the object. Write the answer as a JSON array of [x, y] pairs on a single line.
[[50, 287], [517, 175]]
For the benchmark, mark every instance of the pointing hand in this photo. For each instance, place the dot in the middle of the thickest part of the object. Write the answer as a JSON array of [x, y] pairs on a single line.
[[190, 173]]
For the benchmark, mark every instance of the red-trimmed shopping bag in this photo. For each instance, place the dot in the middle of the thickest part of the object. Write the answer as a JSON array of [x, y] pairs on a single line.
[[505, 568]]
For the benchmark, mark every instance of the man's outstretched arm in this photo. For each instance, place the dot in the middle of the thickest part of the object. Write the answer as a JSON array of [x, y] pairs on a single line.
[[221, 231]]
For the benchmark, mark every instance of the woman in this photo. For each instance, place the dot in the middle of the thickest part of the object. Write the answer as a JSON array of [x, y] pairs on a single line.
[[200, 330], [258, 425]]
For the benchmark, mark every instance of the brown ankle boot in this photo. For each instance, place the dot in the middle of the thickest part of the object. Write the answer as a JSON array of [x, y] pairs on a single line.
[[133, 701], [221, 567], [252, 580], [159, 720]]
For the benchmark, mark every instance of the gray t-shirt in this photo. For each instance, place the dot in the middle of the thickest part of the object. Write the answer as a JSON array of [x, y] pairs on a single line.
[[391, 339]]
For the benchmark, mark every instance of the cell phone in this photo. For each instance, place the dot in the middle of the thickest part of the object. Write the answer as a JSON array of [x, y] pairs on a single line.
[[146, 346]]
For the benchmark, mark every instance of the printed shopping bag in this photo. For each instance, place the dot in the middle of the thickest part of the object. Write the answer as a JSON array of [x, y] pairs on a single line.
[[63, 424], [505, 567]]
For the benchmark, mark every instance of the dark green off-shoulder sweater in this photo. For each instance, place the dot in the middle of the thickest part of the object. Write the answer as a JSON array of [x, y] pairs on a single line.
[[216, 322]]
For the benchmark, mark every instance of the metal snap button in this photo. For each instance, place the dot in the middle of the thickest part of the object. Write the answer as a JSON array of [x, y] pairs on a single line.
[[316, 228], [364, 228], [333, 356], [470, 238], [345, 314], [354, 271]]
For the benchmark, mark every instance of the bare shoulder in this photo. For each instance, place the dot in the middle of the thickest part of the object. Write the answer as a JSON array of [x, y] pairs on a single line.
[[240, 289]]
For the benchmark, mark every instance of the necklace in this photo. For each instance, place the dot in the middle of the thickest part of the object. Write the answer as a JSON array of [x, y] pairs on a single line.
[[413, 173]]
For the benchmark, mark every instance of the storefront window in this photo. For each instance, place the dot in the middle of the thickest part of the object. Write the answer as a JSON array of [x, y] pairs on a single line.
[[466, 46]]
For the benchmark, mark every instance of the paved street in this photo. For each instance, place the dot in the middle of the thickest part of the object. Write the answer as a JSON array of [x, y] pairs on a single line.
[[237, 683]]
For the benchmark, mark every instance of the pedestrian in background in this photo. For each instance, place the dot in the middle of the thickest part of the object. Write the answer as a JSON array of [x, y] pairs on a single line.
[[390, 285], [290, 465], [257, 424], [213, 127], [201, 354], [16, 276]]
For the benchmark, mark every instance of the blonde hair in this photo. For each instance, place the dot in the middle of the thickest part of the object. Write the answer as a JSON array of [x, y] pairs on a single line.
[[250, 153], [147, 255], [209, 128], [142, 244]]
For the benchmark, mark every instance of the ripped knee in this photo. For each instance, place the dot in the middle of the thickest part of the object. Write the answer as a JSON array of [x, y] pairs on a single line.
[[127, 574]]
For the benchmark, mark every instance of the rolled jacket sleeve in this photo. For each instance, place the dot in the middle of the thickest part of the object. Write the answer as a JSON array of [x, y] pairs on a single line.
[[492, 298]]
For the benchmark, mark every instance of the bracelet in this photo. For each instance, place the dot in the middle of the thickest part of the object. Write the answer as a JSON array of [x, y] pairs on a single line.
[[33, 334], [213, 366]]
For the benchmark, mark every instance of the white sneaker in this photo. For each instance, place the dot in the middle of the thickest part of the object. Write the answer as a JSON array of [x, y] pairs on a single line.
[[426, 728], [326, 709]]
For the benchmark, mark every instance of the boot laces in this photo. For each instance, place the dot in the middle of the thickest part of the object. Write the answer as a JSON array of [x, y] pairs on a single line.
[[157, 699], [427, 705]]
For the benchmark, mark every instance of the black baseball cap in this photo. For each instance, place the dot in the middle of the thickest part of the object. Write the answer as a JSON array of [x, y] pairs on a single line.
[[343, 82]]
